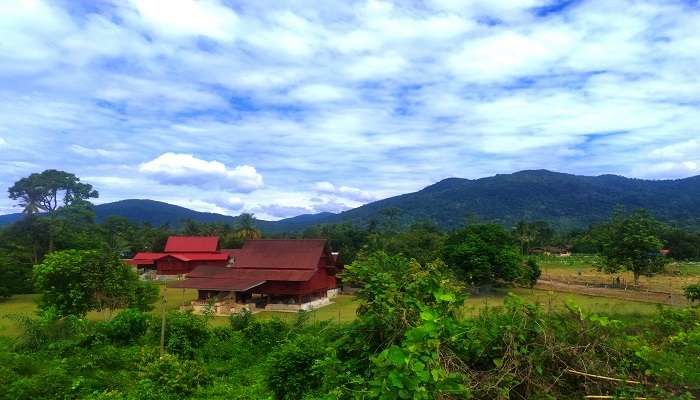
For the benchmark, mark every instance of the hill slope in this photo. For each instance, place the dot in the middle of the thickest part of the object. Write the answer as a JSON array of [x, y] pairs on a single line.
[[565, 200]]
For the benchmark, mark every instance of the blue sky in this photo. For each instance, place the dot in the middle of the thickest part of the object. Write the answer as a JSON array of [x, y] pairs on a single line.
[[282, 108]]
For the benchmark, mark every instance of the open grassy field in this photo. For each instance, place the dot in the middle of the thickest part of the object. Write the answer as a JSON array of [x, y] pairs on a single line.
[[580, 269], [344, 307]]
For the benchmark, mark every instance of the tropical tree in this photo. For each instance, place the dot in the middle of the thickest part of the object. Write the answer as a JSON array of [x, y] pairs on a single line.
[[74, 282], [484, 253], [245, 227], [632, 243], [47, 192]]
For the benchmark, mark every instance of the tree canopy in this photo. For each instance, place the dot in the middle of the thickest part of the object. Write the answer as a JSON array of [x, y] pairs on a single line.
[[631, 242], [74, 282], [483, 253]]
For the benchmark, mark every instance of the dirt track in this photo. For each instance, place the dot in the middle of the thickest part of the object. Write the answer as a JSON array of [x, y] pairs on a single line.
[[629, 294]]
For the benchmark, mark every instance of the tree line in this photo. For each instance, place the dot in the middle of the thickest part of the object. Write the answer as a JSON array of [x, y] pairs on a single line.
[[59, 216]]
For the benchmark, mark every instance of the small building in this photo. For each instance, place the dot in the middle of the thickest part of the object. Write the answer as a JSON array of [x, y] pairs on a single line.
[[181, 256], [561, 251], [269, 274]]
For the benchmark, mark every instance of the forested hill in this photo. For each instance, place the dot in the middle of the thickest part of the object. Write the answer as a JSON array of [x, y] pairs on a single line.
[[158, 213], [565, 200]]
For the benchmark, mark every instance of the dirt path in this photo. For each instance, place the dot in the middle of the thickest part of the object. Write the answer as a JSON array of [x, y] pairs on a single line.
[[623, 294]]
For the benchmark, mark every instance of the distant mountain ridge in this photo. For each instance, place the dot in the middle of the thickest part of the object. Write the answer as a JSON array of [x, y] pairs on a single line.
[[565, 200]]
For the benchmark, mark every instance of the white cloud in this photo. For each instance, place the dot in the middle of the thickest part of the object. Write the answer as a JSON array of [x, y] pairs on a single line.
[[346, 192], [94, 152], [188, 17], [185, 169], [383, 96]]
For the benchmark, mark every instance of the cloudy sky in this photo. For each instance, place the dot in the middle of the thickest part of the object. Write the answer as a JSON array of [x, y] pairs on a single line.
[[283, 108]]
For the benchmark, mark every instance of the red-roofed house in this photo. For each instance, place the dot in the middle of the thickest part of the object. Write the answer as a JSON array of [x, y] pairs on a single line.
[[182, 254], [274, 274]]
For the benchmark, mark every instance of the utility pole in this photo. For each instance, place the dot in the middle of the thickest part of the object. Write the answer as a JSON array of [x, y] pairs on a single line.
[[162, 326]]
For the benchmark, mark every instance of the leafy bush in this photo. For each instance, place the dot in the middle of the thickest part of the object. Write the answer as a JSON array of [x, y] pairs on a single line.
[[290, 374], [129, 326], [530, 273], [266, 334], [169, 377], [184, 333], [144, 296], [692, 293], [240, 321]]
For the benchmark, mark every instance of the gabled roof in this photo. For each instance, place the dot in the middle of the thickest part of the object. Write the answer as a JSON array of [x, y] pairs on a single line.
[[149, 258], [303, 254], [192, 244], [228, 283], [261, 260]]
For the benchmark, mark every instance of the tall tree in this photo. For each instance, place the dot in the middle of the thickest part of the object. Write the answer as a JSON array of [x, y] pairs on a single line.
[[631, 242], [484, 253], [48, 191], [73, 282], [246, 227]]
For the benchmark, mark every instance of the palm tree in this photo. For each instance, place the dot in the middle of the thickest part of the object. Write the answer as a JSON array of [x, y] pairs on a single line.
[[246, 227]]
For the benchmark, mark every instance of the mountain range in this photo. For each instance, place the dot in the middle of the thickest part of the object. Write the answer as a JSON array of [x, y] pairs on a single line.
[[564, 200]]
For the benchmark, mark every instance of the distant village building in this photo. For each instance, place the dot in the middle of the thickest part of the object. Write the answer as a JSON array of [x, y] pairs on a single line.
[[561, 251], [265, 274], [180, 257]]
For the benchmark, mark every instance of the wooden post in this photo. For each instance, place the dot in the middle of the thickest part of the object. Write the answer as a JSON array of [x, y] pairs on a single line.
[[162, 326]]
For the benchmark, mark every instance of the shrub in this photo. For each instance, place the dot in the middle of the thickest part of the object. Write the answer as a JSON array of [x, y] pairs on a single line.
[[240, 321], [692, 293], [129, 326], [184, 333], [290, 373], [167, 376], [266, 334], [144, 297]]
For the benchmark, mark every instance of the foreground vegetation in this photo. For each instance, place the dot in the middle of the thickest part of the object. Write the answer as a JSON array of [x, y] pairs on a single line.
[[413, 337]]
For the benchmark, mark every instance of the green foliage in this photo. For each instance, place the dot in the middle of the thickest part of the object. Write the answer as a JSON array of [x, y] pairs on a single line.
[[265, 334], [530, 274], [129, 326], [241, 320], [184, 333], [684, 245], [632, 243], [145, 295], [483, 254], [49, 190], [692, 292], [168, 377], [404, 314], [291, 374], [73, 282]]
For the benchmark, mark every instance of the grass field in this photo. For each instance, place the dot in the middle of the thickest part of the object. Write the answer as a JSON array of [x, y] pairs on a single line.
[[581, 269], [344, 307]]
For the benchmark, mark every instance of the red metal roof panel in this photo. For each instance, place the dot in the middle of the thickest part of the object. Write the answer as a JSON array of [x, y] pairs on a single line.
[[280, 254], [232, 284]]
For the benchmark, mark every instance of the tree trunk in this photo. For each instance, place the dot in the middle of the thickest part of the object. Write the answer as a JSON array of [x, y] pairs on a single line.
[[636, 278]]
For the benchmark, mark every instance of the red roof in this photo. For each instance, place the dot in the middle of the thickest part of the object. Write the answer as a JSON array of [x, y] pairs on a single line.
[[291, 260], [280, 254], [190, 244], [235, 284], [205, 271], [149, 258], [144, 258]]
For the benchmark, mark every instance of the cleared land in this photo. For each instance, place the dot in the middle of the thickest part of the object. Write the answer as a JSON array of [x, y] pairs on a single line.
[[344, 307]]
